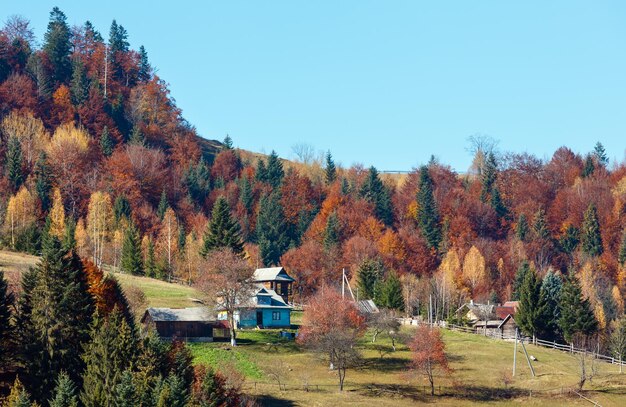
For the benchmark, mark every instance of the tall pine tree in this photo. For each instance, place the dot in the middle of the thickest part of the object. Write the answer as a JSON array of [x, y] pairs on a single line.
[[65, 392], [576, 313], [522, 228], [57, 46], [551, 293], [531, 315], [275, 172], [591, 239], [332, 231], [222, 230], [427, 213], [330, 170], [43, 185], [14, 164], [131, 260], [375, 192], [368, 275], [106, 142], [7, 329], [271, 230]]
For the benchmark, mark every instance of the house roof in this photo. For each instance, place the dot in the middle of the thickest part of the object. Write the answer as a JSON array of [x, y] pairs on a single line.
[[276, 301], [272, 274], [195, 314], [492, 323], [367, 307], [506, 319]]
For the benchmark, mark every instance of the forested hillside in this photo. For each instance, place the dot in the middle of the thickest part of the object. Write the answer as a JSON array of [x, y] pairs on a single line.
[[93, 147]]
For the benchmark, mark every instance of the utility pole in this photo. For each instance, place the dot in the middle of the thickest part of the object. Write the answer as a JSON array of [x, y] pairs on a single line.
[[530, 365]]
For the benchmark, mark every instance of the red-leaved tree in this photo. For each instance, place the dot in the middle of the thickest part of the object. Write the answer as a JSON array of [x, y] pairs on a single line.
[[429, 354]]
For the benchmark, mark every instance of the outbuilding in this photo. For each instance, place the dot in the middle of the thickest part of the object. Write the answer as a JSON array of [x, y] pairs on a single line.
[[195, 324]]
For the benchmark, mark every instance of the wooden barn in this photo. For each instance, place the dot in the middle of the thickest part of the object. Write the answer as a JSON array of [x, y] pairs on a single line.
[[188, 324]]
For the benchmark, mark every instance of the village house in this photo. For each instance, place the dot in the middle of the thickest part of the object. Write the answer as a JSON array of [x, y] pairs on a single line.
[[195, 324], [269, 305]]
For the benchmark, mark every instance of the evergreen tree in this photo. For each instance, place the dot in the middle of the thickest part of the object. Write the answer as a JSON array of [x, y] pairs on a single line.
[[69, 237], [540, 226], [622, 249], [198, 181], [570, 239], [136, 137], [65, 393], [56, 318], [332, 231], [591, 239], [79, 85], [57, 46], [14, 163], [18, 397], [151, 267], [427, 212], [589, 167], [106, 142], [497, 204], [488, 176], [121, 209], [131, 260], [331, 170], [275, 172], [145, 70], [374, 191], [576, 313], [125, 394], [599, 154], [261, 171], [520, 277], [163, 205], [271, 230], [42, 182], [246, 195], [531, 315], [118, 38], [392, 292], [551, 293], [368, 275], [211, 391], [107, 356], [522, 229], [222, 230], [7, 329], [228, 143]]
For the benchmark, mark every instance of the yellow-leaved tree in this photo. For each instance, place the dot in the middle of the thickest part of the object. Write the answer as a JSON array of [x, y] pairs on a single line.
[[474, 272], [20, 213], [445, 281], [29, 130], [99, 224], [57, 215]]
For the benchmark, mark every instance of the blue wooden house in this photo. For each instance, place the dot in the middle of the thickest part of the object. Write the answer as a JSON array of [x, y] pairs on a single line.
[[266, 308]]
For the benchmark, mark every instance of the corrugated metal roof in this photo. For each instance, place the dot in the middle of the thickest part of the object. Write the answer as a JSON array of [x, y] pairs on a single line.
[[272, 274], [276, 300], [195, 314], [367, 307]]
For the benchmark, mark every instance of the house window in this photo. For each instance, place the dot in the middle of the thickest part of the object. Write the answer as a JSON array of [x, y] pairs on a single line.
[[276, 315]]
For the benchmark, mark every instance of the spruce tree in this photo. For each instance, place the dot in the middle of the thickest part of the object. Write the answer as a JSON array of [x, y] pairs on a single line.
[[427, 212], [65, 393], [56, 318], [246, 195], [531, 315], [14, 163], [570, 239], [57, 46], [43, 184], [178, 392], [498, 204], [369, 273], [125, 393], [79, 85], [392, 292], [271, 230], [520, 277], [622, 249], [131, 258], [145, 70], [540, 226], [106, 142], [121, 209], [7, 329], [228, 143], [211, 390], [261, 171], [589, 167], [599, 154], [330, 170], [576, 313], [488, 176], [109, 353], [18, 397], [591, 239], [332, 231], [222, 230], [375, 192], [136, 137], [163, 205], [150, 263], [275, 172], [551, 293], [522, 228], [69, 236]]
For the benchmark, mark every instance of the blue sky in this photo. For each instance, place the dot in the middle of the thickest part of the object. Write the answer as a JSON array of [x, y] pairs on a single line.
[[384, 83]]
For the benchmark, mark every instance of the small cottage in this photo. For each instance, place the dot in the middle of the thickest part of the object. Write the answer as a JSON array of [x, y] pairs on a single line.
[[189, 324], [276, 279], [266, 309], [475, 312], [508, 327]]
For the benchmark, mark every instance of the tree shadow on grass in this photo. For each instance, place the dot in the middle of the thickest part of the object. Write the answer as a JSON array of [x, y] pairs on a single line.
[[377, 390], [386, 364], [483, 393], [267, 400]]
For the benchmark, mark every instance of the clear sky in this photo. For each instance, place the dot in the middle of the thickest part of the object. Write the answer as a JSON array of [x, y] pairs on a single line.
[[384, 83]]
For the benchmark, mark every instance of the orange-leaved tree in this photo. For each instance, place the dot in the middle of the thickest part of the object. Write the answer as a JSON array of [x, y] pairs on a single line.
[[428, 354], [331, 326]]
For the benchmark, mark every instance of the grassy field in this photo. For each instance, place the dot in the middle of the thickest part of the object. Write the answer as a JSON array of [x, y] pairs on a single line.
[[479, 365]]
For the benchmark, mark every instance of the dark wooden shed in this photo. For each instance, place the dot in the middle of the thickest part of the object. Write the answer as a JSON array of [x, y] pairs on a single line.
[[188, 324]]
